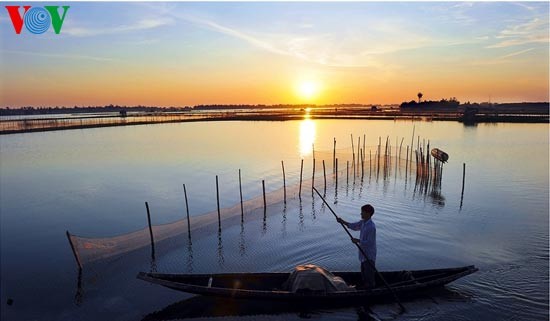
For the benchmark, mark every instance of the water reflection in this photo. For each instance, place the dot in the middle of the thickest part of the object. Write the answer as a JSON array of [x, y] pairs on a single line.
[[214, 308], [189, 254], [307, 137], [242, 246], [221, 259], [79, 295]]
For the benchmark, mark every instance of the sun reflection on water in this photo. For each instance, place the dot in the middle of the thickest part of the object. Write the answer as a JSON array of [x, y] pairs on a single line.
[[307, 136]]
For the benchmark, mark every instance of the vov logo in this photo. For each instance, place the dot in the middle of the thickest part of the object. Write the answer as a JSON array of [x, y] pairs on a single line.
[[37, 20]]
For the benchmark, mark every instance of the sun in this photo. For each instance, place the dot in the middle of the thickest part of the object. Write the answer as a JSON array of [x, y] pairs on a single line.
[[308, 90]]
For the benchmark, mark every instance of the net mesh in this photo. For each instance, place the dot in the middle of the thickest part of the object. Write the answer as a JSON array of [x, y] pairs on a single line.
[[325, 170]]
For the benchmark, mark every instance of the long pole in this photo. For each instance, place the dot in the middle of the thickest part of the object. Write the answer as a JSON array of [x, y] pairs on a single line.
[[313, 174], [263, 190], [353, 155], [241, 194], [334, 156], [76, 256], [218, 202], [336, 173], [187, 209], [284, 180], [324, 175], [463, 179], [363, 252], [150, 230]]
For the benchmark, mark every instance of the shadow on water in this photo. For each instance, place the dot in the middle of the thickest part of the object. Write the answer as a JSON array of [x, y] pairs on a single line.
[[211, 307]]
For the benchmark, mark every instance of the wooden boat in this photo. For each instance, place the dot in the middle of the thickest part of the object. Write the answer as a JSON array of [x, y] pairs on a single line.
[[270, 286]]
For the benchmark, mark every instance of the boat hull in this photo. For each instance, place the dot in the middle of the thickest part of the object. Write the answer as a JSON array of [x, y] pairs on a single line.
[[267, 286]]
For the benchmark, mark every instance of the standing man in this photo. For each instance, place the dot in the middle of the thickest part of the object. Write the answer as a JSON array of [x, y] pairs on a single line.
[[367, 242]]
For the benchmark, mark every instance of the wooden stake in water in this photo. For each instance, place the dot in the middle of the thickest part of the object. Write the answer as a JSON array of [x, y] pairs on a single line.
[[75, 253], [362, 165], [379, 143], [463, 180], [407, 162], [325, 176], [334, 156], [313, 175], [150, 230], [336, 173], [358, 152], [187, 210], [284, 180], [263, 190], [241, 194], [218, 202], [412, 144], [353, 155], [301, 172], [364, 150]]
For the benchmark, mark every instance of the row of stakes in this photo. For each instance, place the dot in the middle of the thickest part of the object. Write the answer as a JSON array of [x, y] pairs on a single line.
[[422, 173]]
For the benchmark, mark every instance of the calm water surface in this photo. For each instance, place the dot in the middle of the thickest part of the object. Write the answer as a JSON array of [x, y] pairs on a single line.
[[93, 183]]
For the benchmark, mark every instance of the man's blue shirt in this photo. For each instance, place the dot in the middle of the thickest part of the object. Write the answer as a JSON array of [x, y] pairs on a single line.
[[367, 238]]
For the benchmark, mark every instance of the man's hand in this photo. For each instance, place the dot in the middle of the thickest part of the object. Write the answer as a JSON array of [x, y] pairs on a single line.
[[340, 220], [354, 240]]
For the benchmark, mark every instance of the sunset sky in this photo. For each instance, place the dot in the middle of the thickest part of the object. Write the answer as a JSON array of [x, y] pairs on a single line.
[[177, 54]]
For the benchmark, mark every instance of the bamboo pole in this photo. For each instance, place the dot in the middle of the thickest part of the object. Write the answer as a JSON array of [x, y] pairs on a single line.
[[358, 152], [263, 190], [336, 173], [187, 210], [301, 172], [412, 142], [313, 176], [362, 165], [150, 230], [218, 203], [75, 253], [407, 162], [463, 180], [241, 195], [353, 155], [379, 143], [284, 180], [334, 156], [325, 176], [364, 146]]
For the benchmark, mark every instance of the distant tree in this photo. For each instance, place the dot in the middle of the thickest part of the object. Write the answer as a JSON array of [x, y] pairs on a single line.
[[419, 96]]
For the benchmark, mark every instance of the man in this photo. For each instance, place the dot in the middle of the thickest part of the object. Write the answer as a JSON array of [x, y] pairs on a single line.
[[367, 242]]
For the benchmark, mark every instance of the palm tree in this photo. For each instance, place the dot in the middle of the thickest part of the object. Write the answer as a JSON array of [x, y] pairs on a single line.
[[419, 96]]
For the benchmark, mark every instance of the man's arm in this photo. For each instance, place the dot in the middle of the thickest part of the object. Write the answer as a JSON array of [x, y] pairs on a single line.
[[341, 221], [353, 226]]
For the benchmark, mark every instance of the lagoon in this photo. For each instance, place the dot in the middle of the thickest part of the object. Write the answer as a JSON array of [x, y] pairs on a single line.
[[94, 182]]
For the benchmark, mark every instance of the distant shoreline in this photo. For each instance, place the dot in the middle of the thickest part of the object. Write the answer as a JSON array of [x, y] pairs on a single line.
[[30, 124]]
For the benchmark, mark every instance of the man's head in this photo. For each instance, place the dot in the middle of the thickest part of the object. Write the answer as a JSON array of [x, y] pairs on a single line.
[[367, 211]]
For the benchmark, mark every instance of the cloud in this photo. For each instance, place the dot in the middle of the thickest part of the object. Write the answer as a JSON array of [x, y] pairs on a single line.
[[501, 59], [533, 31], [355, 49], [517, 53], [143, 24], [523, 5], [60, 56]]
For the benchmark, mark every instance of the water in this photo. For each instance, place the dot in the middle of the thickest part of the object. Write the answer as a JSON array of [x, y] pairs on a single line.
[[93, 183]]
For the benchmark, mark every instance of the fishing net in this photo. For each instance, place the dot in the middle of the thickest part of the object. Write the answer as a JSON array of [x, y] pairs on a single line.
[[324, 170]]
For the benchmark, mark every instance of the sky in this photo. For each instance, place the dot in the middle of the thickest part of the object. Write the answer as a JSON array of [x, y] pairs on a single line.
[[184, 54]]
